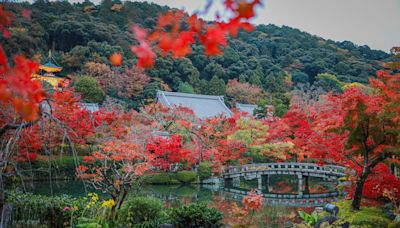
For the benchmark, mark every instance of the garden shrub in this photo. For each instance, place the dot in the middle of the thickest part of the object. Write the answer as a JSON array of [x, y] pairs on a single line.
[[205, 170], [195, 215], [31, 210], [366, 216], [186, 176], [141, 211]]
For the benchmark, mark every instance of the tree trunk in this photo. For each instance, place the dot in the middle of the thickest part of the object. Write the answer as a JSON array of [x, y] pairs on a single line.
[[355, 204]]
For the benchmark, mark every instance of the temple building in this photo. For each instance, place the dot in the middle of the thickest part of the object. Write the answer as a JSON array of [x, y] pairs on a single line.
[[203, 106], [49, 72]]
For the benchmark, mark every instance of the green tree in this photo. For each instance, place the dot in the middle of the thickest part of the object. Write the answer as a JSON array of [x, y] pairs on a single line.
[[90, 89], [274, 83], [76, 58], [281, 107], [185, 87], [214, 69], [328, 82], [216, 86], [300, 77]]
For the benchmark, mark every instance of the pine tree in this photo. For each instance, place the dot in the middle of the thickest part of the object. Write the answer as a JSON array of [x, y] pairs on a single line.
[[216, 86]]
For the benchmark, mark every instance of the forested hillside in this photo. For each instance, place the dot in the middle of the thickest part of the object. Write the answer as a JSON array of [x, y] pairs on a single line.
[[83, 36]]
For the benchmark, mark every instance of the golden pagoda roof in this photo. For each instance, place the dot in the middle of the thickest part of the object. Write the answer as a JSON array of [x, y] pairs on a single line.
[[50, 67]]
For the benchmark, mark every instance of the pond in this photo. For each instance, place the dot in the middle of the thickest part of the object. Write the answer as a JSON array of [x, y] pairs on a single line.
[[281, 201]]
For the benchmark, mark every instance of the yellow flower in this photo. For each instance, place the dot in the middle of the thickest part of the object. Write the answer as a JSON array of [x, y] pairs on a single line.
[[108, 203], [90, 194], [75, 208], [88, 206], [95, 197]]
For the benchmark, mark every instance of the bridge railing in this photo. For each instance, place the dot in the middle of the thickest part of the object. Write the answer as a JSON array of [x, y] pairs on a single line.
[[286, 167]]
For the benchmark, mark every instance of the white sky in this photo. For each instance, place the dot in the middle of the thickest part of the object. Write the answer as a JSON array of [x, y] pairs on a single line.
[[372, 22]]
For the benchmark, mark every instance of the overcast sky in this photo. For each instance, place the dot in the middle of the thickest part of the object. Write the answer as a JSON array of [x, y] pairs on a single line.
[[372, 22]]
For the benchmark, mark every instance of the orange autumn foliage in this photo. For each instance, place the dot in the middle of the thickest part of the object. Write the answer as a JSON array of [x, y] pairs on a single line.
[[116, 59]]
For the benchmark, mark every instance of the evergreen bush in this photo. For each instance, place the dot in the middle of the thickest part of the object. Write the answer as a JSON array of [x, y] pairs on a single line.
[[90, 89], [195, 215], [31, 210], [205, 170], [186, 176], [141, 211]]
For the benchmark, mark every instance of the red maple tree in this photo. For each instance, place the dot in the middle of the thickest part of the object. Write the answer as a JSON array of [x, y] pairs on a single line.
[[354, 129]]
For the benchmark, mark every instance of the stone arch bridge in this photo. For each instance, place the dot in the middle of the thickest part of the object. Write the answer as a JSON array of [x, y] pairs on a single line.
[[263, 171]]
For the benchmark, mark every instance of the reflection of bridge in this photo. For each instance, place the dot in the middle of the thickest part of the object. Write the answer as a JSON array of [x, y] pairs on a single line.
[[293, 200], [263, 171]]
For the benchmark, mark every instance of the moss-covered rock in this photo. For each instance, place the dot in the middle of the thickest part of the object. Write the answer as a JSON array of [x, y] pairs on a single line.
[[365, 217]]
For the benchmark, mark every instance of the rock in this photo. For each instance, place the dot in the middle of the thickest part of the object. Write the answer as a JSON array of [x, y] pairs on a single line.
[[331, 220], [288, 224]]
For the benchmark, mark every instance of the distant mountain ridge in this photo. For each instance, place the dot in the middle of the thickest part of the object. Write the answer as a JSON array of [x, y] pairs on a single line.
[[84, 32]]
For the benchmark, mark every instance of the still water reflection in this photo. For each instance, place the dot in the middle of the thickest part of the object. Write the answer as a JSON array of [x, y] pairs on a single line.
[[281, 200]]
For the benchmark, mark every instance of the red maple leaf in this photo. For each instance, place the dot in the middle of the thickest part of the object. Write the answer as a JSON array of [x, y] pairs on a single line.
[[145, 55]]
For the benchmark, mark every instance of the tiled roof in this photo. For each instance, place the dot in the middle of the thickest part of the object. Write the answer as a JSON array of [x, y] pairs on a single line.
[[203, 106], [50, 64], [248, 108]]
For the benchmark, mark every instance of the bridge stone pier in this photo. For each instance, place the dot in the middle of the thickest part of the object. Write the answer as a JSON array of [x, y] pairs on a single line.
[[263, 182], [263, 171], [232, 182], [236, 182]]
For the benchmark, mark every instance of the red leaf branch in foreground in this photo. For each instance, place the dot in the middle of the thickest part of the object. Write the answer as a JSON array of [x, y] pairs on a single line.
[[170, 36], [17, 89], [5, 21]]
